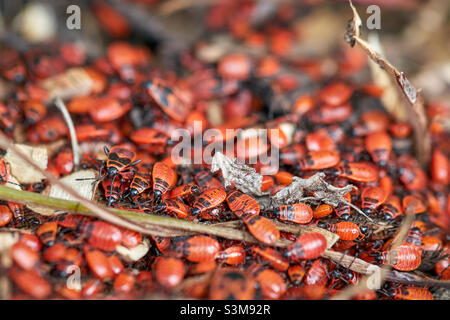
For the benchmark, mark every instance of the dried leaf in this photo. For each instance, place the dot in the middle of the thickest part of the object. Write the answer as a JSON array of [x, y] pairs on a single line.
[[72, 83], [353, 27], [84, 188], [322, 190], [136, 253], [7, 239], [20, 169], [390, 97], [245, 178]]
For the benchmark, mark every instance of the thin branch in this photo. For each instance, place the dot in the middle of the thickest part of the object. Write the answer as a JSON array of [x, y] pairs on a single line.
[[73, 135], [414, 105]]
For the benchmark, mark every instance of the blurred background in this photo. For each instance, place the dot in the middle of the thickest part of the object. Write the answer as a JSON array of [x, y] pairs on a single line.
[[414, 34]]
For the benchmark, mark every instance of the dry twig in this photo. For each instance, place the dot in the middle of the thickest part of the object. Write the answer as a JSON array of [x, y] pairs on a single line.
[[414, 102]]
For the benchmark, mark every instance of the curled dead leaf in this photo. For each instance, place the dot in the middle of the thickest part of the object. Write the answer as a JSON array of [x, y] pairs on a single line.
[[19, 168]]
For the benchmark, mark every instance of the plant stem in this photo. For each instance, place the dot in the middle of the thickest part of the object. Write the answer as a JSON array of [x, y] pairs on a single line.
[[145, 220]]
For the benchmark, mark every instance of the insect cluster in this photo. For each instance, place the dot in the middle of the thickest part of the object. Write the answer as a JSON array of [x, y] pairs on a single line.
[[336, 125]]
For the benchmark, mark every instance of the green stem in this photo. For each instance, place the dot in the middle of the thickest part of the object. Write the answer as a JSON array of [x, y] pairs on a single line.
[[172, 224]]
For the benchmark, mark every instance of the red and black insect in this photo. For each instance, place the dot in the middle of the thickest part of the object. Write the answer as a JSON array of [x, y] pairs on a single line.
[[5, 215], [98, 263], [296, 274], [308, 246], [272, 284], [199, 248], [102, 235], [392, 208], [317, 160], [297, 213], [357, 171], [119, 160], [207, 200], [169, 271], [409, 293], [114, 190], [47, 232], [164, 179], [379, 146], [260, 227], [206, 180], [12, 67], [273, 257], [168, 98], [173, 206], [372, 198], [404, 258], [232, 284], [233, 255], [139, 184], [238, 201], [347, 230]]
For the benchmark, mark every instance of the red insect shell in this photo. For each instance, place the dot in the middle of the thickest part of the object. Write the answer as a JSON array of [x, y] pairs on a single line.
[[164, 177], [404, 258], [55, 253], [346, 230], [238, 201], [115, 264], [440, 167], [416, 204], [199, 248], [235, 66], [335, 93], [208, 199], [64, 162], [31, 283], [327, 114], [379, 146], [98, 263], [358, 171], [261, 228], [130, 238], [92, 288], [284, 177], [297, 213], [169, 271], [124, 282], [5, 215], [275, 259], [319, 140], [23, 256], [231, 283], [317, 160], [308, 246], [372, 198], [317, 273], [108, 109], [232, 255], [169, 99], [144, 136], [272, 284], [103, 235], [47, 232], [322, 211]]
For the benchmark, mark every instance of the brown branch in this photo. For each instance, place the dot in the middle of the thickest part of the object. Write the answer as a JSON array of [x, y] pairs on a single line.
[[414, 102]]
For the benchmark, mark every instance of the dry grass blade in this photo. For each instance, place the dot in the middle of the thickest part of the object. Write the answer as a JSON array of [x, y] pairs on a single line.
[[414, 105], [73, 136]]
